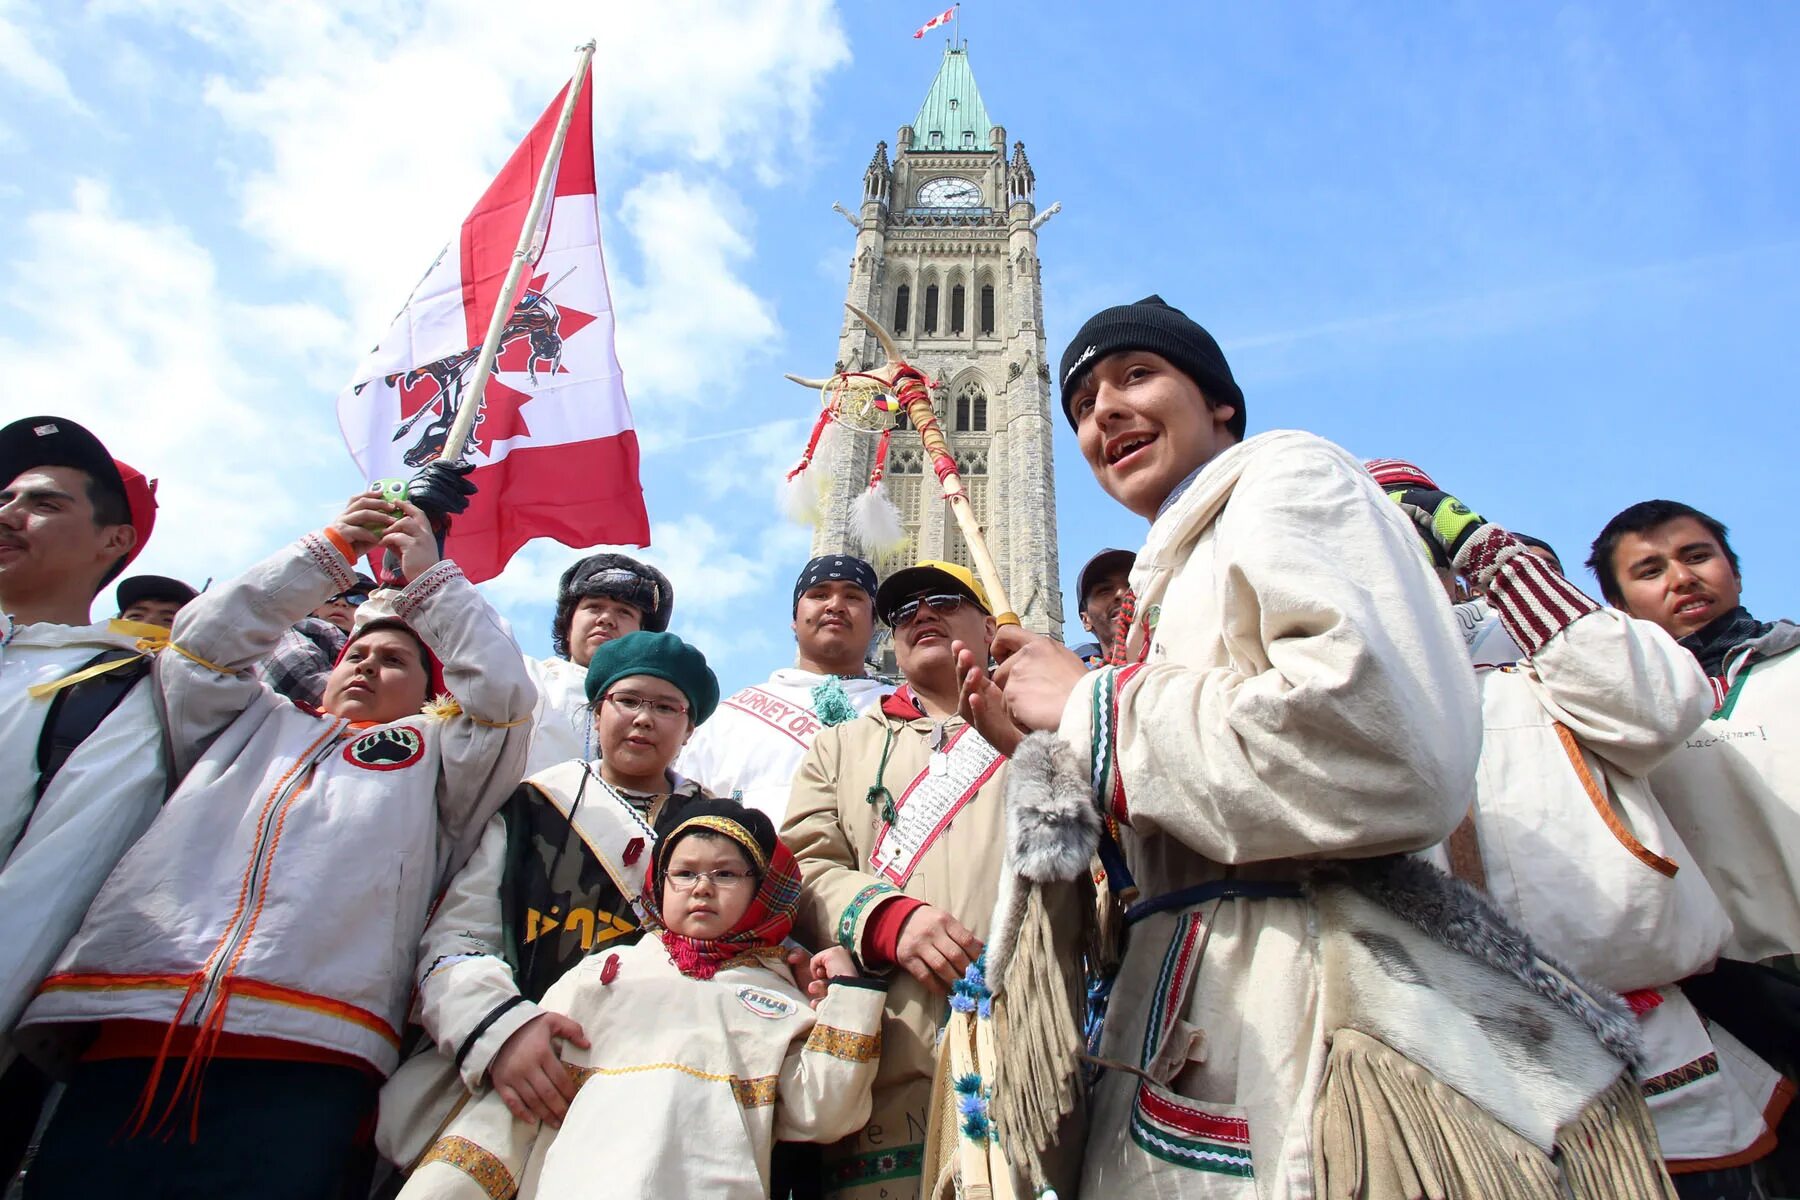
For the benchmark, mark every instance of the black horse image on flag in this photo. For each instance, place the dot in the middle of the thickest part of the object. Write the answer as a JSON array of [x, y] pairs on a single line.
[[436, 390]]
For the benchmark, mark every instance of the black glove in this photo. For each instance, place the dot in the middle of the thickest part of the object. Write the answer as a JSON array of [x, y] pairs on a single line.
[[1445, 522], [441, 490]]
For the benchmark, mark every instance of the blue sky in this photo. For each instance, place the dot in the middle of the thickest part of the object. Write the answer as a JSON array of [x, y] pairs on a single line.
[[1549, 252]]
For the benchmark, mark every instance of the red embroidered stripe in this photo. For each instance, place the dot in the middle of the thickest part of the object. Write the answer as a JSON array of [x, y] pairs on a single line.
[[1116, 803], [102, 982], [275, 993], [1533, 601], [236, 985], [1192, 1121]]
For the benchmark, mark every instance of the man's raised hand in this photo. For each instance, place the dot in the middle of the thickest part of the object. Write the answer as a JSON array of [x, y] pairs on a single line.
[[365, 518], [981, 704], [410, 539], [1036, 675]]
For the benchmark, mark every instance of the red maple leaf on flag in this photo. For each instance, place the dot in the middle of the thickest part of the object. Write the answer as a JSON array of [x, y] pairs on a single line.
[[530, 345]]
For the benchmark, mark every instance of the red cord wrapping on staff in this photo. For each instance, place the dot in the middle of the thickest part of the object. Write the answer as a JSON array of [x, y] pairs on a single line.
[[1122, 628], [909, 378]]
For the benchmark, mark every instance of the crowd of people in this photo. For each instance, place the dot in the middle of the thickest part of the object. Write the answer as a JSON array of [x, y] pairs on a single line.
[[1403, 866]]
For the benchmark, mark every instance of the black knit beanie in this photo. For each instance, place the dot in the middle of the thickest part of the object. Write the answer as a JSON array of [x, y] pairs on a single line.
[[1153, 325]]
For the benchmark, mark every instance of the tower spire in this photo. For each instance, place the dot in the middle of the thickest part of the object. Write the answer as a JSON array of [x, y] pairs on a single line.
[[953, 116]]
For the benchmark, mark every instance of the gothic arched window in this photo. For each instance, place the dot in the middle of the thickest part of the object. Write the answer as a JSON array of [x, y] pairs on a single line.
[[902, 307], [956, 309], [971, 408], [931, 309], [987, 308]]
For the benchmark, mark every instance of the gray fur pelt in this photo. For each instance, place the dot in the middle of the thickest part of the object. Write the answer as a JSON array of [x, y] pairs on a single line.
[[1052, 829], [1452, 913]]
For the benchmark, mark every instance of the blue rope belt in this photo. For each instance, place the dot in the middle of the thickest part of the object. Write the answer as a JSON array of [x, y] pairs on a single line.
[[1217, 889]]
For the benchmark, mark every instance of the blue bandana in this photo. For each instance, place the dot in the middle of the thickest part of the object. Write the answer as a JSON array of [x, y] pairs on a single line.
[[828, 567]]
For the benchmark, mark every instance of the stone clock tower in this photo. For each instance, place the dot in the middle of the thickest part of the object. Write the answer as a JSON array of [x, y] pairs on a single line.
[[946, 257]]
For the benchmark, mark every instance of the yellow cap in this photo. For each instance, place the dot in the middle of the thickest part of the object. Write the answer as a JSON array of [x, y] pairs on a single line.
[[931, 573]]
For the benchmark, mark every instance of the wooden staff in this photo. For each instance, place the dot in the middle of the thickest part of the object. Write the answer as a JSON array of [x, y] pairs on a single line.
[[458, 437], [908, 387]]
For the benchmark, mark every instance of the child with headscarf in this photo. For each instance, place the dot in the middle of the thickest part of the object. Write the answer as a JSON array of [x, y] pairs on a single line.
[[702, 1051]]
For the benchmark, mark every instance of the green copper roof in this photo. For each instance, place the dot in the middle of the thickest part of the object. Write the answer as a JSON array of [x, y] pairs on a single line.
[[952, 108]]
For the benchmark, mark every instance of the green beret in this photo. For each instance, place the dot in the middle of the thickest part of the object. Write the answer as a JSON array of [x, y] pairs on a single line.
[[662, 655]]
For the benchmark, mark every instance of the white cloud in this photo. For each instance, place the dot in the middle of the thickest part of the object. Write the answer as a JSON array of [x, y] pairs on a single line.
[[687, 324], [23, 61], [120, 324], [383, 122]]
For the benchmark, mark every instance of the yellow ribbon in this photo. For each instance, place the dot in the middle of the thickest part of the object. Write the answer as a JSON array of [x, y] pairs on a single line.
[[150, 639]]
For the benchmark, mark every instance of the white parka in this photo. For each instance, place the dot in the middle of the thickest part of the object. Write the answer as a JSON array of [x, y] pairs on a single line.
[[1298, 690], [1577, 849], [755, 741], [63, 846], [562, 722], [1732, 789], [683, 1089], [282, 890]]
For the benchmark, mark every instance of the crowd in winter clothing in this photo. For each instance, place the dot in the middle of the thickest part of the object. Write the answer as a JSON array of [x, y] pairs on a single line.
[[1361, 852]]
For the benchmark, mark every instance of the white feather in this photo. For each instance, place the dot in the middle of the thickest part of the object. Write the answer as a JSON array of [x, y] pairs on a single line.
[[875, 522], [799, 498]]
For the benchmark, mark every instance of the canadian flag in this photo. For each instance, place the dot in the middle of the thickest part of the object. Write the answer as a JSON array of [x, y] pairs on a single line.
[[941, 19], [553, 447]]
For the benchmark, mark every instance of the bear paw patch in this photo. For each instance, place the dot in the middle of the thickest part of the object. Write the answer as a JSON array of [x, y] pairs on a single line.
[[386, 749]]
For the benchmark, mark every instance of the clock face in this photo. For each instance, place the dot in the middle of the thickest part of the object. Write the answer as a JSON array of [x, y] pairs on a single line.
[[950, 192]]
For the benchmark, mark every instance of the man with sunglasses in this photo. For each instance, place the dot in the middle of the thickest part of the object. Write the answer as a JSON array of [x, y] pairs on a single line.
[[301, 662], [897, 822], [556, 877]]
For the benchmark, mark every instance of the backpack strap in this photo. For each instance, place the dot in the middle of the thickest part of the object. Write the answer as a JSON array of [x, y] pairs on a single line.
[[77, 710]]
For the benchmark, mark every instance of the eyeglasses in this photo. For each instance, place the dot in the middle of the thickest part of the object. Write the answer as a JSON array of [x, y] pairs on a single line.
[[351, 598], [631, 706], [725, 880], [946, 603]]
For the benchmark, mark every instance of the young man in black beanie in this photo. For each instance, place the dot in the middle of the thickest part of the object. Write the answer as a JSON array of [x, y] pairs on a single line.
[[1290, 688]]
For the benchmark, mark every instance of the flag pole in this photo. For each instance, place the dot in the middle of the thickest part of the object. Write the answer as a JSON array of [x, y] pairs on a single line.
[[457, 439]]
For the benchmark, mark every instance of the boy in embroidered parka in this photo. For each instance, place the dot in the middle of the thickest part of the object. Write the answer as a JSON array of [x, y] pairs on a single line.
[[897, 820], [703, 1048], [1733, 789], [248, 965], [1290, 688], [1570, 839], [82, 766], [555, 878]]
